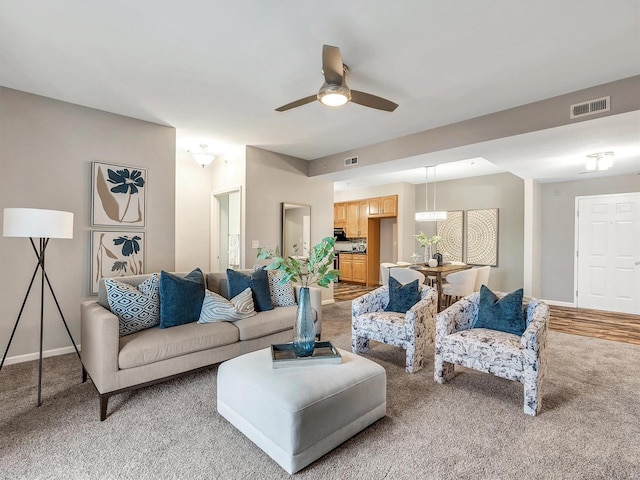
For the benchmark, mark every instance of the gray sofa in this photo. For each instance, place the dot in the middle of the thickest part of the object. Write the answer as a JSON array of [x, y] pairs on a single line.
[[119, 364]]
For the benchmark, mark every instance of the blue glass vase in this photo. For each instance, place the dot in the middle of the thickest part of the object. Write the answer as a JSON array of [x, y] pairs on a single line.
[[304, 329]]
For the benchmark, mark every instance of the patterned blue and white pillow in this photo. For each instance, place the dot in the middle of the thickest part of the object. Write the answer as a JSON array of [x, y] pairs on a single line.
[[281, 295], [136, 308], [216, 308]]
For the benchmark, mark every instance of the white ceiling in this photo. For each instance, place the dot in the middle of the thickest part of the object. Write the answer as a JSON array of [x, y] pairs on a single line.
[[217, 70]]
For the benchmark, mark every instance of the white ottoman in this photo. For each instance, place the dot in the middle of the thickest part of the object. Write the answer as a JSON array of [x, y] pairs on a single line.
[[297, 414]]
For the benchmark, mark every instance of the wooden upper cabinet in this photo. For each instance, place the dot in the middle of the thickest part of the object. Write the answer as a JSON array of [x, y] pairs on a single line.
[[380, 207], [363, 207], [340, 213], [351, 227], [389, 207]]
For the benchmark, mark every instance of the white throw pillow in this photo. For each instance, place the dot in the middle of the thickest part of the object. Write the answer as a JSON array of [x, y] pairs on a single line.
[[136, 308], [281, 295], [216, 308]]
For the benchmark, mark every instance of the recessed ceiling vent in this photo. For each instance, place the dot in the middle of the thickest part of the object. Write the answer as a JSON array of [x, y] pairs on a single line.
[[590, 108], [350, 161]]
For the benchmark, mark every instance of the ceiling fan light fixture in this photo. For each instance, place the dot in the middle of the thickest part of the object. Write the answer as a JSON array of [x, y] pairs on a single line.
[[334, 95]]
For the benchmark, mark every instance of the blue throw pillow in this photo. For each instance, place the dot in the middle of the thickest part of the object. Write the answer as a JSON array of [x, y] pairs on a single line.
[[258, 282], [402, 297], [180, 298], [504, 314]]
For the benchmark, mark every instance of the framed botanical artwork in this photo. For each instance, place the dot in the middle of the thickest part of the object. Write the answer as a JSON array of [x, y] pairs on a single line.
[[451, 236], [118, 195], [115, 254], [482, 237]]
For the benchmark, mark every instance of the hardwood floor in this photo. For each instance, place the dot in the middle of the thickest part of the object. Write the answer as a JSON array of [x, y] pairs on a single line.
[[618, 327]]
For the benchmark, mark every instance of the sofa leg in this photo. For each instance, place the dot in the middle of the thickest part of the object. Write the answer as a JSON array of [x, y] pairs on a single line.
[[442, 371], [532, 398], [104, 399], [359, 344]]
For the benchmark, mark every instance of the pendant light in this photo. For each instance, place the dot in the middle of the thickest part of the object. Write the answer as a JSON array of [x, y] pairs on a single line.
[[430, 216], [203, 158]]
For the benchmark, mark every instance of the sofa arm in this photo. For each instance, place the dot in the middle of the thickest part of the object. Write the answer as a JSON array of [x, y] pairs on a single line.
[[535, 335], [100, 342], [424, 311], [315, 296]]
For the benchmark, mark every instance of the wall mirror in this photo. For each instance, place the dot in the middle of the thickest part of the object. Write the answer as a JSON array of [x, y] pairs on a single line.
[[296, 229]]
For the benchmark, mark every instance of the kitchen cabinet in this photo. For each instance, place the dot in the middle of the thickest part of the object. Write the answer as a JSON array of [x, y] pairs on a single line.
[[363, 217], [340, 214], [353, 267], [381, 207], [352, 227], [359, 270]]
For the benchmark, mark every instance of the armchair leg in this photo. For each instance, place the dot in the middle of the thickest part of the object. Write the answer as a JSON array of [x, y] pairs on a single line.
[[442, 371], [532, 398], [415, 357], [359, 344]]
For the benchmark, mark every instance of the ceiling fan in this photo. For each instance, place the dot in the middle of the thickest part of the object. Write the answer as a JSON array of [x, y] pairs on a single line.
[[334, 91]]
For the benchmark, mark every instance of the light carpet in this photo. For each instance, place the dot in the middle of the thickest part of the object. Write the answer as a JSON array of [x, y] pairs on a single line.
[[470, 428]]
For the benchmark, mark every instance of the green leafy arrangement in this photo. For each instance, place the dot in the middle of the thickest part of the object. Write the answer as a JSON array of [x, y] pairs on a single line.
[[315, 269], [425, 241]]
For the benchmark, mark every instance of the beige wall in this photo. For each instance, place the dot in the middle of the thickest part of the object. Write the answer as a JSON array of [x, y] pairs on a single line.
[[503, 191], [558, 229], [271, 179], [47, 147]]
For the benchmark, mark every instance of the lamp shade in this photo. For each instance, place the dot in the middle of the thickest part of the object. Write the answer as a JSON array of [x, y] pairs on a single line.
[[35, 222]]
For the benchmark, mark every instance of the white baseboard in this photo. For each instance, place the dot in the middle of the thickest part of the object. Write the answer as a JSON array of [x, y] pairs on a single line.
[[27, 357], [329, 301], [558, 303]]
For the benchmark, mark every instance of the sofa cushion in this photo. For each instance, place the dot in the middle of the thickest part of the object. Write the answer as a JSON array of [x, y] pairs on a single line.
[[137, 308], [281, 293], [503, 314], [216, 308], [157, 344], [265, 323], [180, 298], [258, 281]]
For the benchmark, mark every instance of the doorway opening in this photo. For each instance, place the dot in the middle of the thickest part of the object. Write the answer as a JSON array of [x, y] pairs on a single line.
[[226, 234]]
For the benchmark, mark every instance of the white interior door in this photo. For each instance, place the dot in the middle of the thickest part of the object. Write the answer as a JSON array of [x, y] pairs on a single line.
[[608, 253]]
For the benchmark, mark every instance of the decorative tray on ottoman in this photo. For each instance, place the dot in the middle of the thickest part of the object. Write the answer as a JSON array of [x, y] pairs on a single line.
[[323, 353]]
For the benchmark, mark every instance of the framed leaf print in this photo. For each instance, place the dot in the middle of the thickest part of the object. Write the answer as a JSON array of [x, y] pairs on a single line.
[[118, 195], [115, 254]]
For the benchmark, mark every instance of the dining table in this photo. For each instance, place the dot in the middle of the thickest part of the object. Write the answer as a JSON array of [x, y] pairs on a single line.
[[439, 272]]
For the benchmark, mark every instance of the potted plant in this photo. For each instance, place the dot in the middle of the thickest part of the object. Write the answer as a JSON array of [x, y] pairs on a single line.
[[426, 242], [316, 269]]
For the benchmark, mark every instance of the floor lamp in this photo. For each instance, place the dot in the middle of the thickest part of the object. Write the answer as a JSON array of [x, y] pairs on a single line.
[[43, 225]]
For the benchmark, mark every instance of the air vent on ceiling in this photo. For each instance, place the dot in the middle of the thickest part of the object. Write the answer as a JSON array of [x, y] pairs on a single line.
[[350, 161], [590, 107]]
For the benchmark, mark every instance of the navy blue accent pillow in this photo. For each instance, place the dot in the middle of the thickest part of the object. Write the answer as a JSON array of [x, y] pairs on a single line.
[[504, 314], [402, 297], [258, 282], [180, 298]]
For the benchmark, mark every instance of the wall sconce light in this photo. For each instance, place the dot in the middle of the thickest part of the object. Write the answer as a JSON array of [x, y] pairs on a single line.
[[599, 161], [203, 158]]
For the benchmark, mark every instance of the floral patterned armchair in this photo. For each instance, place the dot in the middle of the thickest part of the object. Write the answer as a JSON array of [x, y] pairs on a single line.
[[412, 331], [502, 354]]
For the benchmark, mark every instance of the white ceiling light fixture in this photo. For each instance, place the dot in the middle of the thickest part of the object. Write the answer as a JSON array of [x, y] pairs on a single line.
[[434, 215], [599, 161], [203, 158]]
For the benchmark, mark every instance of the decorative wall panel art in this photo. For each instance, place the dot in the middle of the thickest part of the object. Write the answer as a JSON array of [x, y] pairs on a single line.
[[115, 254], [451, 236], [482, 237], [118, 195]]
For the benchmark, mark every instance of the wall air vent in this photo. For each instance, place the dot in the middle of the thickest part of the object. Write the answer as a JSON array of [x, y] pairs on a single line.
[[590, 108], [350, 161]]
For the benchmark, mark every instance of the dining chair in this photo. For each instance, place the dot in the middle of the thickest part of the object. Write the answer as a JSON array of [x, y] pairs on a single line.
[[482, 277], [384, 272], [406, 275], [459, 284], [400, 263]]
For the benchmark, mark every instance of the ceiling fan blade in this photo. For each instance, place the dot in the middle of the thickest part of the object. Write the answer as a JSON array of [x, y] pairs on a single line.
[[332, 65], [372, 101], [297, 103]]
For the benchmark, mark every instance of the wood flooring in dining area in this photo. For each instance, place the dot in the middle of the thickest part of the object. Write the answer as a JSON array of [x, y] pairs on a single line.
[[618, 327]]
